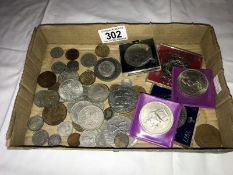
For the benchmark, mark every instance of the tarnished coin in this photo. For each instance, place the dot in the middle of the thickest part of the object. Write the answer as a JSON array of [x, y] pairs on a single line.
[[183, 117], [73, 66], [46, 79], [55, 114], [108, 113], [58, 67], [35, 123], [107, 69], [70, 90], [88, 60], [102, 50], [122, 99], [73, 139], [87, 78], [77, 127], [56, 52], [40, 137], [192, 82], [207, 136], [64, 129], [126, 82], [98, 92], [67, 75], [113, 86], [138, 55], [121, 140], [72, 54], [138, 89], [87, 138], [46, 98], [54, 87], [156, 118], [54, 140]]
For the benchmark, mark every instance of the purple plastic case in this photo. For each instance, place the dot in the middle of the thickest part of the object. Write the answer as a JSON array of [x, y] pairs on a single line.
[[207, 100], [136, 130]]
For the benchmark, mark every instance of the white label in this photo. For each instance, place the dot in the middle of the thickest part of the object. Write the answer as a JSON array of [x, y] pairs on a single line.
[[217, 85], [113, 34]]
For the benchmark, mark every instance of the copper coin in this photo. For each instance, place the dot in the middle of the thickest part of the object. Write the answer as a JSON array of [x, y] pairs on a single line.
[[73, 139], [87, 78], [55, 114], [46, 79], [77, 127], [54, 87], [72, 54], [138, 89], [207, 136]]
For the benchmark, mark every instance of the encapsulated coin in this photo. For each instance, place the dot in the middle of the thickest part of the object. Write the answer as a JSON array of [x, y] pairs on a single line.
[[73, 139], [122, 99], [138, 55], [87, 138], [54, 87], [46, 98], [40, 137], [107, 69], [55, 114], [192, 82], [126, 82], [102, 50], [77, 127], [54, 140], [87, 78], [88, 60], [56, 52], [64, 129], [67, 75], [121, 140], [98, 92], [170, 63], [72, 54], [108, 113], [46, 79], [35, 123], [207, 136], [183, 117], [73, 66], [58, 67], [156, 118], [138, 89]]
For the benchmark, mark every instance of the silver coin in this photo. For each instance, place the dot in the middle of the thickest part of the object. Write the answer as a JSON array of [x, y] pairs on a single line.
[[70, 90], [54, 140], [156, 118], [122, 99], [67, 75], [46, 98], [87, 138], [35, 123], [58, 67], [100, 138], [183, 117], [90, 117], [73, 66], [40, 137], [126, 82], [64, 129], [99, 104], [88, 60], [98, 92], [56, 52], [69, 106]]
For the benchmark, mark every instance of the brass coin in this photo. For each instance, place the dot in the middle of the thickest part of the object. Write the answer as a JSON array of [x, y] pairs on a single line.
[[73, 139], [87, 78], [54, 87], [121, 140], [55, 114], [102, 50], [207, 136], [46, 79], [77, 127], [138, 89], [72, 54]]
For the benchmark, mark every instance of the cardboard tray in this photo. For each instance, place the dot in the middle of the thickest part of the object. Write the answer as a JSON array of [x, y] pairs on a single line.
[[199, 38]]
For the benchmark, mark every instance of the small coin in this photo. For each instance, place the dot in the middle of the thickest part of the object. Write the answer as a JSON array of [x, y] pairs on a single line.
[[58, 67], [56, 52], [55, 114], [126, 82], [87, 78], [46, 79], [67, 75], [54, 87], [73, 139], [102, 50], [35, 123], [72, 54], [64, 129], [113, 86], [121, 140], [40, 137], [108, 113], [207, 136], [46, 98], [183, 117], [54, 140], [192, 83], [87, 138], [138, 89], [88, 60], [73, 66], [77, 127], [98, 92]]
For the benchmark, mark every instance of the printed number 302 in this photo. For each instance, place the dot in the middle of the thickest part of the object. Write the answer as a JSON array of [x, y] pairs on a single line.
[[113, 35]]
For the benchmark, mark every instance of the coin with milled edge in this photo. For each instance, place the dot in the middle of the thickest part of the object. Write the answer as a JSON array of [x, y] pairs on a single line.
[[54, 140], [121, 140], [156, 118], [88, 60], [46, 98], [183, 117], [64, 129], [77, 127], [72, 54], [58, 67], [67, 75], [73, 139], [98, 92], [73, 66], [102, 50], [40, 137], [87, 138], [35, 123], [46, 79], [108, 113], [56, 52], [138, 89], [192, 83], [87, 78]]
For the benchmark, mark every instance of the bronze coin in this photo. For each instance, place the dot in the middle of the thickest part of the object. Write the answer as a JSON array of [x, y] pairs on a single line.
[[138, 89], [54, 87], [46, 79], [54, 115], [207, 136], [77, 127], [87, 78], [73, 139], [121, 140], [72, 54]]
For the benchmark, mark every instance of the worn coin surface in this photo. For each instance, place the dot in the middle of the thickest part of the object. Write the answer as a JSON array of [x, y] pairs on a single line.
[[108, 113], [87, 78], [139, 89], [56, 52], [102, 50], [54, 140], [46, 79], [46, 98], [88, 60], [73, 66], [121, 140], [58, 67], [183, 117], [35, 123], [54, 87], [55, 114], [77, 127], [72, 54], [107, 69], [98, 92], [64, 129], [87, 138], [73, 139], [192, 82], [67, 75], [40, 137], [122, 99], [156, 118]]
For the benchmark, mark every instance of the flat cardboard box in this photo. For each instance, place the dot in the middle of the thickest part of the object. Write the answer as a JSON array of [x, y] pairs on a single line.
[[199, 38]]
